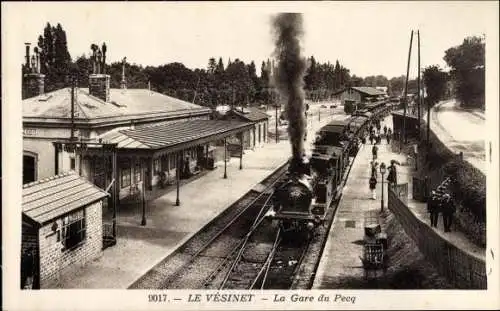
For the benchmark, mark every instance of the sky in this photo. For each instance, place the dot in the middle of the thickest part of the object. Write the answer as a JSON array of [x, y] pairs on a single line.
[[369, 38]]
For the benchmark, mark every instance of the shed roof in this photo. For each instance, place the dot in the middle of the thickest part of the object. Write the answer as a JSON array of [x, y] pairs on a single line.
[[51, 198], [173, 134], [371, 91], [123, 103], [251, 114]]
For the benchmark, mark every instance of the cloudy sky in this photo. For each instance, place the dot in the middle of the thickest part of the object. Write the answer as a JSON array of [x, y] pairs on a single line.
[[367, 37]]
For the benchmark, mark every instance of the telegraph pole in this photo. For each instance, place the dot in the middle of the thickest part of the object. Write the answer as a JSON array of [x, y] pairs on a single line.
[[403, 137], [419, 85]]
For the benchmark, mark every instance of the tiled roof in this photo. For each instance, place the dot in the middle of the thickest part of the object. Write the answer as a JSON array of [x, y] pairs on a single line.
[[251, 114], [123, 103], [48, 199], [172, 134], [371, 91]]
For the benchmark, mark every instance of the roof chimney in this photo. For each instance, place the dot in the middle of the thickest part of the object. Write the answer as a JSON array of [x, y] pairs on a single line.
[[27, 55], [123, 83], [33, 80], [98, 81]]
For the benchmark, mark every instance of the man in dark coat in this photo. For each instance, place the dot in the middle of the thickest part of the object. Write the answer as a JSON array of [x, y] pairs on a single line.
[[448, 211], [373, 186], [392, 177], [433, 207], [374, 152]]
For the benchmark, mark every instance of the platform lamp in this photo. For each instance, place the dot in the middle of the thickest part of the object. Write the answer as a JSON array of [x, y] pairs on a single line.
[[382, 172]]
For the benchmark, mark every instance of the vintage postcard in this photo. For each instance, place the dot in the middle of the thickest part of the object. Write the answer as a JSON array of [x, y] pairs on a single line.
[[249, 155]]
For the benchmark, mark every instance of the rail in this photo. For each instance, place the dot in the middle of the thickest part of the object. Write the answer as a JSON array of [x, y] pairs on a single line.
[[220, 232]]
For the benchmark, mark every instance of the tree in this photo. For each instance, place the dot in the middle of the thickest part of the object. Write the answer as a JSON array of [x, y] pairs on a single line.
[[468, 70], [212, 65], [435, 84]]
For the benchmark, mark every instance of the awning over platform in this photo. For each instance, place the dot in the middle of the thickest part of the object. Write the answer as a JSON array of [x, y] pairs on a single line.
[[175, 136], [51, 198]]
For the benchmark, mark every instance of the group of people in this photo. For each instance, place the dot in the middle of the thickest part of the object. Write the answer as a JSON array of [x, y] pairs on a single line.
[[391, 176], [441, 202], [375, 135]]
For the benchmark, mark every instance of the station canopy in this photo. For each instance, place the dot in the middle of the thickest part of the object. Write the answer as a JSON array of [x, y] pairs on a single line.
[[174, 136]]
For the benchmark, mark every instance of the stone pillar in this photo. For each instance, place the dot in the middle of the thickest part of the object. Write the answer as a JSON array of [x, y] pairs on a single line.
[[33, 85], [99, 86]]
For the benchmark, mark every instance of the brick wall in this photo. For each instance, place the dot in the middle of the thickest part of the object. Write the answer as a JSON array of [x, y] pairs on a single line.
[[99, 86], [54, 261], [460, 268], [33, 85]]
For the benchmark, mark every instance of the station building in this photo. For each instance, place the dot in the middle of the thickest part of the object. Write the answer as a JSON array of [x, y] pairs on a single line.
[[256, 136], [361, 94], [125, 141]]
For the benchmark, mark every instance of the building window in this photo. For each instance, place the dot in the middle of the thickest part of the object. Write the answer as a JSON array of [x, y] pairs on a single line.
[[125, 178], [73, 229], [72, 164], [156, 165], [171, 159], [138, 175]]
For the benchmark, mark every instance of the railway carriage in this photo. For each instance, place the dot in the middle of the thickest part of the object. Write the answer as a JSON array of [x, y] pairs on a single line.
[[301, 201]]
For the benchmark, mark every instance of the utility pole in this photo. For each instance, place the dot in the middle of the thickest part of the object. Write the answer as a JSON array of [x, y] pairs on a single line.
[[276, 119], [73, 86], [405, 100], [419, 85]]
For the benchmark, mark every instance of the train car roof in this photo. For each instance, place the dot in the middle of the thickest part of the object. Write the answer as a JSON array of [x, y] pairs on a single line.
[[327, 150]]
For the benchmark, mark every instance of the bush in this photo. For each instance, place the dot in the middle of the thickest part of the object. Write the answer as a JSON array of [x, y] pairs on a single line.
[[468, 187]]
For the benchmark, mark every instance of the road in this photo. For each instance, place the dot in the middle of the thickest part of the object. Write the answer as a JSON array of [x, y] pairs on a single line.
[[461, 130]]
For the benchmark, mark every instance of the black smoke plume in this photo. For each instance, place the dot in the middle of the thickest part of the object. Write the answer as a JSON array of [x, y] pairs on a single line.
[[289, 76]]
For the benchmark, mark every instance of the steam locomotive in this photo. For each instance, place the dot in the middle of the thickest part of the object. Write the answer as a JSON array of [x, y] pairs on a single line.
[[301, 200]]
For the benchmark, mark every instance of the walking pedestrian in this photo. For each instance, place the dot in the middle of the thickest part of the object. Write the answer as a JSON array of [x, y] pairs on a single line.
[[374, 152], [433, 209], [373, 186], [371, 138], [392, 177], [448, 209], [385, 129], [373, 168], [378, 127]]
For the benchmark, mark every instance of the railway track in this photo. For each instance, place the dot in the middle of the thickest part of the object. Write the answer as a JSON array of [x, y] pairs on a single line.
[[192, 264], [266, 261], [241, 249]]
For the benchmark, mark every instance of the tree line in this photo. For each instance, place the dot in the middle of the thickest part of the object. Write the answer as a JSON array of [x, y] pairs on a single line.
[[466, 78], [234, 83]]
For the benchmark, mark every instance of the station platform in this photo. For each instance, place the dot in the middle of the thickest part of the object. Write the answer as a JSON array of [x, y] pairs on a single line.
[[168, 226], [344, 247]]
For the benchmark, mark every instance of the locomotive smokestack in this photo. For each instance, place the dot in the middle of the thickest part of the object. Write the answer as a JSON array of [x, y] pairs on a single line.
[[289, 76]]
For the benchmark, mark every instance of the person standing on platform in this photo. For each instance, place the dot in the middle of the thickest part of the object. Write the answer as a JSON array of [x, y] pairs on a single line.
[[373, 168], [374, 152], [433, 209], [448, 211], [392, 177], [373, 186]]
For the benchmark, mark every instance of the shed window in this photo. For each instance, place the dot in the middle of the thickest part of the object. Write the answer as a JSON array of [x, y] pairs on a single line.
[[73, 229]]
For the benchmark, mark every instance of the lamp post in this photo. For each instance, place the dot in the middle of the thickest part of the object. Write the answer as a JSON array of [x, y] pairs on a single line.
[[143, 198], [382, 172]]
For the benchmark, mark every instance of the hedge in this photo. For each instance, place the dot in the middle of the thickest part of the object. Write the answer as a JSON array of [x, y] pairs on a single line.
[[468, 187]]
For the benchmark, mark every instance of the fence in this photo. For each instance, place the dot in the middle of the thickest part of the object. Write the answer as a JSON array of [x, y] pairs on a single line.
[[463, 270]]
